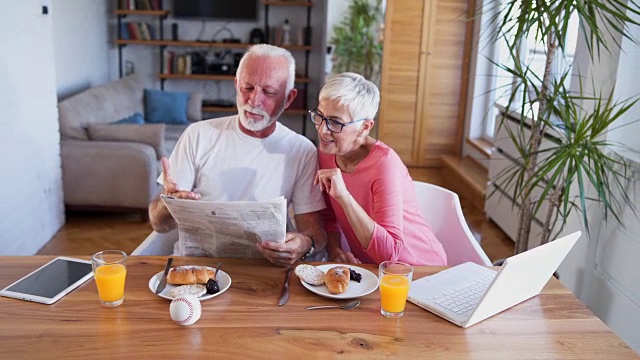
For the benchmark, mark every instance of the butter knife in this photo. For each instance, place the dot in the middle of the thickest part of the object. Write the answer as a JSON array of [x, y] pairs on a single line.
[[284, 297], [163, 282]]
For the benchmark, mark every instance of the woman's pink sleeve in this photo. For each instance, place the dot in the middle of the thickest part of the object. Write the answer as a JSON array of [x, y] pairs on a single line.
[[387, 211]]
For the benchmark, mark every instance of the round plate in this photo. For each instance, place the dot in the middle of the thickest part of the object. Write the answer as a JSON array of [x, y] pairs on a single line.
[[366, 286], [224, 281]]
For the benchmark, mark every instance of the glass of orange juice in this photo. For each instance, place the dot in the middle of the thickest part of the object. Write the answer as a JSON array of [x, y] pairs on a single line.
[[395, 278], [110, 271]]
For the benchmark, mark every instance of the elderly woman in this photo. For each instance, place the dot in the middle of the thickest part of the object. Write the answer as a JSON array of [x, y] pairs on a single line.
[[369, 192]]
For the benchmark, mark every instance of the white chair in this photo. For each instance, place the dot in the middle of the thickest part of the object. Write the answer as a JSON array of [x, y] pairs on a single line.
[[442, 211], [157, 244]]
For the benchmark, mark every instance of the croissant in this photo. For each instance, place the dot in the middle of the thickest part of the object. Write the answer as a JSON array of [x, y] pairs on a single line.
[[189, 275], [337, 279]]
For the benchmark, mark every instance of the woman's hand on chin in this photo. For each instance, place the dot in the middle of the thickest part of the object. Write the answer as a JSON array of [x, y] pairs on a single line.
[[330, 180]]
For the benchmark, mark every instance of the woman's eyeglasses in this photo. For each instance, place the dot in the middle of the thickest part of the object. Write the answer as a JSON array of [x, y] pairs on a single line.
[[334, 126]]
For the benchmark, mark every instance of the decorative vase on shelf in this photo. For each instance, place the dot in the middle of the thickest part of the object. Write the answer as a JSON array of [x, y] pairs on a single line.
[[286, 33]]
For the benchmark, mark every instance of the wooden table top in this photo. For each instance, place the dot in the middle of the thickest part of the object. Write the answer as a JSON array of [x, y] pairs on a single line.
[[245, 322]]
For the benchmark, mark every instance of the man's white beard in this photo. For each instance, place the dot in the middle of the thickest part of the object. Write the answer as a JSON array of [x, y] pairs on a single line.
[[256, 125]]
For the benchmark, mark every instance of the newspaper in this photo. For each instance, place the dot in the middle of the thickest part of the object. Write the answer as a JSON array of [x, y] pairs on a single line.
[[227, 228]]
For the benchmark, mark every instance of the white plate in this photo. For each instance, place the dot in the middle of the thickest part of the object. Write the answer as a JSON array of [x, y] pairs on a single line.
[[366, 286], [224, 281]]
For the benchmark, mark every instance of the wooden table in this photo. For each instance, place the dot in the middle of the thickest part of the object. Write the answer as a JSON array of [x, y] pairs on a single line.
[[245, 322]]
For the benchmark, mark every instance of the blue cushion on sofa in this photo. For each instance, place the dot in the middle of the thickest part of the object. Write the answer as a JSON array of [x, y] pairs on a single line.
[[169, 107], [136, 118]]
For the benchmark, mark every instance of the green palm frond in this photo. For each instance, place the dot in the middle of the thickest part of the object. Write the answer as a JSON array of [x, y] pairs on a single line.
[[599, 20]]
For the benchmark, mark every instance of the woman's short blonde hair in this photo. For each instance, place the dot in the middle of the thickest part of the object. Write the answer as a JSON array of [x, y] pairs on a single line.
[[360, 96]]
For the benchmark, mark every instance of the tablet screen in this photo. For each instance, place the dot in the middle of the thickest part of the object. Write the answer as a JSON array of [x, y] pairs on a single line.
[[52, 279]]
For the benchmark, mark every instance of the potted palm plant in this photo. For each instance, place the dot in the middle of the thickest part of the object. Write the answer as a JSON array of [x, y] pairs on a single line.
[[579, 166], [356, 40]]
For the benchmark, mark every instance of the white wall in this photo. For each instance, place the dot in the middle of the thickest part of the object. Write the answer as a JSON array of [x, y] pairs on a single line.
[[602, 269], [31, 210], [81, 45], [336, 11], [628, 85]]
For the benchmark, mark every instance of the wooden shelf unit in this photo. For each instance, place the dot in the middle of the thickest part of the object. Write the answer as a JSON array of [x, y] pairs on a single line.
[[121, 14], [163, 44]]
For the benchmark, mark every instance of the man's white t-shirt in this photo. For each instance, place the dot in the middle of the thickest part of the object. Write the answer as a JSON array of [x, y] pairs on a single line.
[[221, 163]]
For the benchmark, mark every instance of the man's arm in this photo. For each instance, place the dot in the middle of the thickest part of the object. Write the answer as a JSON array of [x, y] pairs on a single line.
[[310, 225], [160, 218]]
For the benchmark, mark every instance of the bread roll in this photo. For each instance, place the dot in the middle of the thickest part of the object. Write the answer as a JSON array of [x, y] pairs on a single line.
[[189, 275], [337, 279], [310, 274]]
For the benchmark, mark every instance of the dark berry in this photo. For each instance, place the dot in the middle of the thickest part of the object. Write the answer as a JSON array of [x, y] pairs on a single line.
[[212, 287], [354, 275]]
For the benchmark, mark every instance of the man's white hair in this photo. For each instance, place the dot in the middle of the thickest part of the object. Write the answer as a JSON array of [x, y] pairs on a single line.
[[273, 52], [359, 95]]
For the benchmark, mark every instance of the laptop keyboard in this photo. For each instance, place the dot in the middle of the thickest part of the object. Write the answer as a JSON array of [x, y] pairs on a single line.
[[465, 297]]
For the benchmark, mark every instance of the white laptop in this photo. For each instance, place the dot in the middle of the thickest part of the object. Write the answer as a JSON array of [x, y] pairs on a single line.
[[469, 293]]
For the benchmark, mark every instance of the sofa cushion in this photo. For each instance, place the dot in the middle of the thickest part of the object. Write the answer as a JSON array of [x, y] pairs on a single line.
[[136, 118], [152, 134], [169, 107], [100, 105]]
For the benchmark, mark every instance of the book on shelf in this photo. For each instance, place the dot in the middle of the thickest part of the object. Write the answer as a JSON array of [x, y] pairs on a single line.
[[177, 64], [144, 31], [143, 5], [187, 69], [151, 31], [133, 31], [182, 64], [126, 5], [124, 31], [167, 64], [136, 31]]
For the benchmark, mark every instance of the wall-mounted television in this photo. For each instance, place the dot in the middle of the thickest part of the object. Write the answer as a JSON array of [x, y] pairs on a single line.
[[231, 10]]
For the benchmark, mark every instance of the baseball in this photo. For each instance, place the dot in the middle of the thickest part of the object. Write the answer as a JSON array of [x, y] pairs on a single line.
[[185, 309]]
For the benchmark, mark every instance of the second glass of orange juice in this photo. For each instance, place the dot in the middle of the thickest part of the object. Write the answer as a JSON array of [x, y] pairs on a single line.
[[110, 272], [395, 279]]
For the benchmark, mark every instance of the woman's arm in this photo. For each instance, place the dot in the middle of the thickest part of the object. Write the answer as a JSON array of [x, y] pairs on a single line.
[[379, 229]]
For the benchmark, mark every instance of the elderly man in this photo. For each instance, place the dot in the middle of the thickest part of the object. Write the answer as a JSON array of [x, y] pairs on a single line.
[[250, 156]]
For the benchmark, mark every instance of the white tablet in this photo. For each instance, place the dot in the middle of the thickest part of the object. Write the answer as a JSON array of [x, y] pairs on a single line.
[[51, 281]]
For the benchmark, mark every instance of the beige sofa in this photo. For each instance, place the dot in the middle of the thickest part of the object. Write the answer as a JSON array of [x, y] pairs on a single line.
[[114, 167]]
